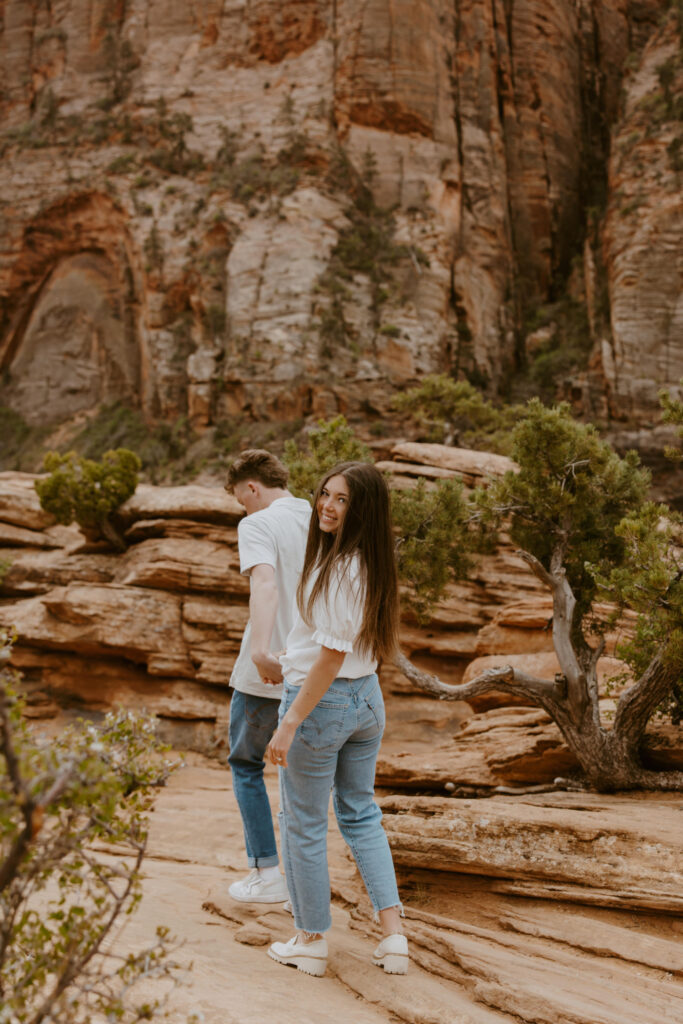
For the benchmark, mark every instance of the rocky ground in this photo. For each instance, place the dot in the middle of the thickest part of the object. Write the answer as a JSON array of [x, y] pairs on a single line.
[[524, 902], [484, 950]]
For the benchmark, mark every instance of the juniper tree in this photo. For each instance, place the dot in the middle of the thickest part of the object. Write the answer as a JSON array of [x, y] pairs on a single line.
[[580, 516], [327, 444], [454, 412], [579, 513], [89, 492]]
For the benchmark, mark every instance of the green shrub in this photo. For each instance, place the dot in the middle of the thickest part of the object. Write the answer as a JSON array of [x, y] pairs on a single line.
[[61, 900], [328, 443], [431, 527], [89, 492], [123, 164], [567, 351], [366, 246], [455, 412]]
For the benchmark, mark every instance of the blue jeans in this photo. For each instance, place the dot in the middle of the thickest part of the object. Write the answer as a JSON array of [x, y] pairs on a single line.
[[335, 747], [253, 720]]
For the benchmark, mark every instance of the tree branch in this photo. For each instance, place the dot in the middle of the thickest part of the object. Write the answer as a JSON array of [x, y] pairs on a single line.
[[564, 604], [25, 804], [32, 808], [636, 705], [506, 678]]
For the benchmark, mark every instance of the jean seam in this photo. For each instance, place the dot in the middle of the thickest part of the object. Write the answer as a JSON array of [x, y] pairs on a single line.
[[360, 862]]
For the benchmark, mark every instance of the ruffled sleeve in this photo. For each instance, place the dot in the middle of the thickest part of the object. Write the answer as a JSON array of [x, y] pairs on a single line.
[[338, 618]]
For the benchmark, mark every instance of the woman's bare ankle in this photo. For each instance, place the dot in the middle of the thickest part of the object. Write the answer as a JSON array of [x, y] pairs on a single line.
[[390, 921]]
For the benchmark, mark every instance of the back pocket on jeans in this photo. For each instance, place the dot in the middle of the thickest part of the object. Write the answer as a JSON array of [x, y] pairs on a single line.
[[323, 727]]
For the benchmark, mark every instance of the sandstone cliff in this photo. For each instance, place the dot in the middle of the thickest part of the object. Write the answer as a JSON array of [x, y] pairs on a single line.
[[195, 201]]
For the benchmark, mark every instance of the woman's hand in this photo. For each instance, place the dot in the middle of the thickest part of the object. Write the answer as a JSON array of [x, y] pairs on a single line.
[[281, 741]]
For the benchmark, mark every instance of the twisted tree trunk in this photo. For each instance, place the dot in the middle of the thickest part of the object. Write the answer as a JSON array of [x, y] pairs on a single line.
[[609, 758]]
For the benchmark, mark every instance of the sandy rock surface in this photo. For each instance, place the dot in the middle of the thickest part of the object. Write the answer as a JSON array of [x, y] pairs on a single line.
[[479, 955]]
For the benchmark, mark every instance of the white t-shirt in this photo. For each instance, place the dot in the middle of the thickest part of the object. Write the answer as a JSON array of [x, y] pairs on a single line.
[[336, 621], [273, 536]]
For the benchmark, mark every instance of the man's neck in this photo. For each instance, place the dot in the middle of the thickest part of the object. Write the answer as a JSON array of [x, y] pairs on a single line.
[[272, 494]]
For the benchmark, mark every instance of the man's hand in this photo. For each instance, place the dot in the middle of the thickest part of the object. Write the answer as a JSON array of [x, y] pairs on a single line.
[[268, 668]]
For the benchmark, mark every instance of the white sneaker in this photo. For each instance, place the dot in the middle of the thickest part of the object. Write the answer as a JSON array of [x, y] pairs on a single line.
[[309, 957], [255, 889], [392, 954]]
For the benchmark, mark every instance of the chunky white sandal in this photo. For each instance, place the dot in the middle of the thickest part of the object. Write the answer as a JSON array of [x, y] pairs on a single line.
[[392, 954], [309, 957]]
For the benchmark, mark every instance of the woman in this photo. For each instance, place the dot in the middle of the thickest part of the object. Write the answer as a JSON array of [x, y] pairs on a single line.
[[332, 713]]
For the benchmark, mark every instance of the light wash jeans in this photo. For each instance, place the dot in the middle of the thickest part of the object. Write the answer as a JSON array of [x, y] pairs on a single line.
[[334, 748], [253, 720]]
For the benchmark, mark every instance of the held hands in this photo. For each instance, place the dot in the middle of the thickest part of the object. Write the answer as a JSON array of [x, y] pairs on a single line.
[[281, 741], [268, 668]]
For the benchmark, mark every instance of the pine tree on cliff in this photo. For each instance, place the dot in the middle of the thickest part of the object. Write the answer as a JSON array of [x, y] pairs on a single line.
[[582, 522]]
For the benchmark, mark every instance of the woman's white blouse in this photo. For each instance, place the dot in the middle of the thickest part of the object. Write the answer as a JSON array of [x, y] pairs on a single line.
[[336, 621]]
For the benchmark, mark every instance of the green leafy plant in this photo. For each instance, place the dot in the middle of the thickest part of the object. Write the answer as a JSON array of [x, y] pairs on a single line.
[[328, 443], [455, 412], [89, 492], [172, 154], [649, 579], [433, 544], [580, 515], [73, 834], [366, 246]]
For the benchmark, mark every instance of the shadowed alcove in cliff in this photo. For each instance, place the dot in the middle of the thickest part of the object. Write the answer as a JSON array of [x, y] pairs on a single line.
[[77, 350], [73, 342]]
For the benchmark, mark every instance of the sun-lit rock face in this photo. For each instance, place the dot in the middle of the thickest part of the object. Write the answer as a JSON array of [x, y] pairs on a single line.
[[185, 212], [644, 231]]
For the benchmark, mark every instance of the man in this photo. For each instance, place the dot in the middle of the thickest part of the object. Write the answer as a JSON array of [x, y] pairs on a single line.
[[272, 541]]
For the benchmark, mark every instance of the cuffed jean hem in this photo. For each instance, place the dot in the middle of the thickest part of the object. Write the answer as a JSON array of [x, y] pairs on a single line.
[[253, 720], [263, 862]]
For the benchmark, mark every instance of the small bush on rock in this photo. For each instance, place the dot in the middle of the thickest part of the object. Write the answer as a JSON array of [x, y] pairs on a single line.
[[89, 492]]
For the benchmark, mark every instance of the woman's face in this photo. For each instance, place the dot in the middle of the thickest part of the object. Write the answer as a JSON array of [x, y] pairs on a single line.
[[332, 504]]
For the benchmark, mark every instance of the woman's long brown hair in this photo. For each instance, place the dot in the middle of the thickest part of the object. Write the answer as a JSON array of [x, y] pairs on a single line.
[[365, 530]]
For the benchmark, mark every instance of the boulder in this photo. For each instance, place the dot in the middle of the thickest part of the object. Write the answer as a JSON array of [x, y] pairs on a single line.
[[472, 466], [183, 564], [191, 501], [617, 845], [140, 625], [19, 502]]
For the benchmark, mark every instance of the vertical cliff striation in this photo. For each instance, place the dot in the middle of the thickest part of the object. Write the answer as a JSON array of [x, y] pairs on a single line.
[[272, 210]]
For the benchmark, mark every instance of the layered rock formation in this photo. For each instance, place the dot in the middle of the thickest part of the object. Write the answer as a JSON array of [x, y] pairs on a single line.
[[160, 625], [181, 185], [481, 951]]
